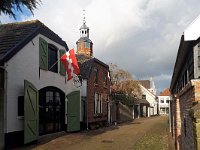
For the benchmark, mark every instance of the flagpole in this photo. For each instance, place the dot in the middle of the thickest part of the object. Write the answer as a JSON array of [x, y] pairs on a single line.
[[56, 62]]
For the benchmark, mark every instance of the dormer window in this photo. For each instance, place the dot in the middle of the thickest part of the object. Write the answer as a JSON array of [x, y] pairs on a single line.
[[48, 57]]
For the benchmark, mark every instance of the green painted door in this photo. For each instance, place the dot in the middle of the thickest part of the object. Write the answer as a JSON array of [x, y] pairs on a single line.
[[73, 119], [31, 121]]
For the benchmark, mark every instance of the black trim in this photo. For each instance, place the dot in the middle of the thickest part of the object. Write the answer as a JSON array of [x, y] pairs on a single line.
[[14, 139]]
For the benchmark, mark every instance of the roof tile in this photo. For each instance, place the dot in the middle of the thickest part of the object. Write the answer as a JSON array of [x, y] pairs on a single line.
[[14, 35]]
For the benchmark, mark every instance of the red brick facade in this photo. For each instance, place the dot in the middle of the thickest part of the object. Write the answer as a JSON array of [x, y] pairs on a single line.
[[95, 73], [100, 88], [82, 49]]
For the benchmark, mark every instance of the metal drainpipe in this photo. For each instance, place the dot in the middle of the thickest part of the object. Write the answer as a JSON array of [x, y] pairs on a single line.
[[169, 115], [87, 107]]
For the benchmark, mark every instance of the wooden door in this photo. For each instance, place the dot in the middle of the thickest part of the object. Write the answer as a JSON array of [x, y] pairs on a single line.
[[73, 109], [31, 121]]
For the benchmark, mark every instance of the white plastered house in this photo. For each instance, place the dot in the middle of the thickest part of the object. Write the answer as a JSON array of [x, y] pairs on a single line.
[[149, 93], [35, 96], [152, 99]]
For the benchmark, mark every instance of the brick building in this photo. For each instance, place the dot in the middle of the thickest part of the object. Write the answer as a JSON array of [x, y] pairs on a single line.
[[185, 90], [95, 83]]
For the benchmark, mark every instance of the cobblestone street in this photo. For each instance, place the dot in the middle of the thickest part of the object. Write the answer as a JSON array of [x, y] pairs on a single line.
[[146, 133]]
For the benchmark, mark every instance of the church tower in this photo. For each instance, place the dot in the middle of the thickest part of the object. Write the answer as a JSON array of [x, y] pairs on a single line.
[[84, 44]]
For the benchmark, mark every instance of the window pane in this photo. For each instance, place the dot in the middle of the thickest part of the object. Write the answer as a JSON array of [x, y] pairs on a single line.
[[21, 106], [95, 103], [96, 75], [143, 96], [52, 59]]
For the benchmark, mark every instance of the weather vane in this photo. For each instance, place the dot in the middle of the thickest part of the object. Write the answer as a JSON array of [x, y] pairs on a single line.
[[84, 16]]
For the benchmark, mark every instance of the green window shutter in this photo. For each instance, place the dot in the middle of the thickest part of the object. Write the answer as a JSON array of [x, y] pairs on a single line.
[[62, 67], [43, 55]]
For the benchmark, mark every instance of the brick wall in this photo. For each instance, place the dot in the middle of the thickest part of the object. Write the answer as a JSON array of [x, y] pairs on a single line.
[[98, 88], [81, 49], [186, 117], [186, 97], [176, 122]]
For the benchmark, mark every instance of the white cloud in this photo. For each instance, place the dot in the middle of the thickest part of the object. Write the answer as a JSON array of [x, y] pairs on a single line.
[[141, 36], [5, 19]]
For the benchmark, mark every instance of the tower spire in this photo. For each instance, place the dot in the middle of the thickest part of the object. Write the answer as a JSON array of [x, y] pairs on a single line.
[[84, 44]]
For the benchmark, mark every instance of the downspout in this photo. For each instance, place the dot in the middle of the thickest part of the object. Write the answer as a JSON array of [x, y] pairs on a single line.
[[87, 107], [169, 115], [87, 78]]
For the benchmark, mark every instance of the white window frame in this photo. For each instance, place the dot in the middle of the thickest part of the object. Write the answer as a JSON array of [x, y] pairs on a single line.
[[98, 103]]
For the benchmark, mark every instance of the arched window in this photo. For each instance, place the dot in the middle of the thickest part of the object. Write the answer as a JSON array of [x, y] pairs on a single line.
[[51, 110], [52, 58], [82, 32], [85, 32]]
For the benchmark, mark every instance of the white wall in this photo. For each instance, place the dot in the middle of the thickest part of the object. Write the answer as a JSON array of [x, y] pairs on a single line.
[[151, 99], [165, 104], [192, 32], [165, 98], [25, 66]]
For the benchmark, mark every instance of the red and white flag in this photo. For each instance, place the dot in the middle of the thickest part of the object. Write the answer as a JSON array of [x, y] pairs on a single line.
[[70, 63]]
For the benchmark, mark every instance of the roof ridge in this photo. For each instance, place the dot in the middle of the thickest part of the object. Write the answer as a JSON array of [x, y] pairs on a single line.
[[28, 21]]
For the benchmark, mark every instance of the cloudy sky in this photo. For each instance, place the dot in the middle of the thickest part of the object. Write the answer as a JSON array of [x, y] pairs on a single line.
[[141, 36]]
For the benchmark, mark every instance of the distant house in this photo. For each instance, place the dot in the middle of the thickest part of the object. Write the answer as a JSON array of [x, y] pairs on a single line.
[[95, 90], [164, 101], [149, 93], [35, 98], [149, 85]]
